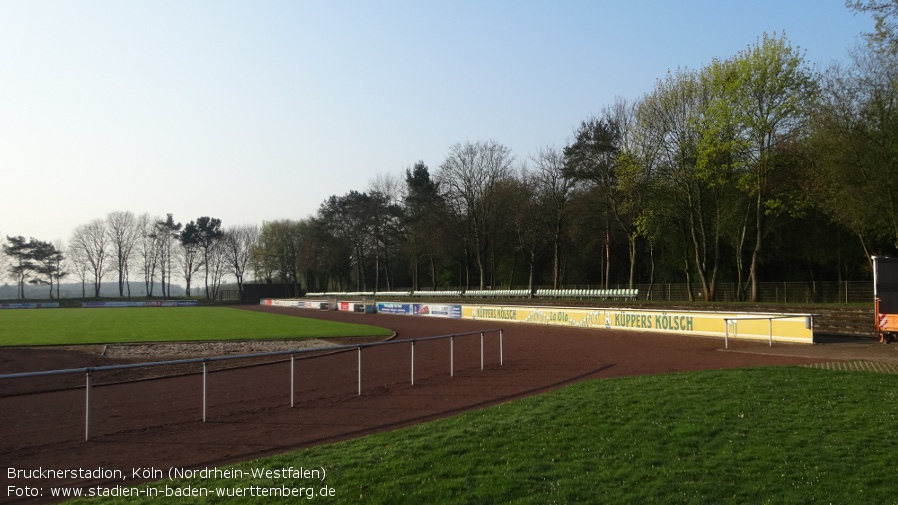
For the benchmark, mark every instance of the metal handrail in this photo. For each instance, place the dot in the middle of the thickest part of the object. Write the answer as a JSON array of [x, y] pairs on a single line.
[[292, 353], [727, 320]]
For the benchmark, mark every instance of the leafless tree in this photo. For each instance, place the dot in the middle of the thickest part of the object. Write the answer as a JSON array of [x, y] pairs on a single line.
[[90, 245], [124, 233], [148, 250], [4, 261], [470, 175], [555, 191], [239, 242], [166, 232]]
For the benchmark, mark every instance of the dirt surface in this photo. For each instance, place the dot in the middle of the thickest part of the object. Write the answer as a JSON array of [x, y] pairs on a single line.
[[158, 422]]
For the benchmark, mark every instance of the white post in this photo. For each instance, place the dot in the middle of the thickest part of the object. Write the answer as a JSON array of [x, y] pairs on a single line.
[[452, 356], [413, 362], [726, 334], [770, 327], [205, 381], [292, 380], [481, 350], [360, 370], [87, 408], [501, 354]]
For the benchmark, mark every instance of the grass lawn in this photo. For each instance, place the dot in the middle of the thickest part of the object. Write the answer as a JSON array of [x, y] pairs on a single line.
[[762, 435], [162, 324]]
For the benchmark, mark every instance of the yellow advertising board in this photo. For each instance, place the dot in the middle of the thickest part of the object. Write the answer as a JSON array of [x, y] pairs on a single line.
[[737, 325]]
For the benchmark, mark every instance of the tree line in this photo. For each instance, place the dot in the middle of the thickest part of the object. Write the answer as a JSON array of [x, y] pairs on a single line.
[[125, 246], [757, 166]]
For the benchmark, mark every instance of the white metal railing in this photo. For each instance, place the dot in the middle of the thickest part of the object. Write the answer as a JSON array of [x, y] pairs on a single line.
[[734, 322], [88, 371]]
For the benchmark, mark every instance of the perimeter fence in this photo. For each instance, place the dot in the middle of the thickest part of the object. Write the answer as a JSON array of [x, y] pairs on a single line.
[[312, 352]]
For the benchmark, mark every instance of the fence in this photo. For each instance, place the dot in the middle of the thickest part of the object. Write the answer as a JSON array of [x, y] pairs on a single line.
[[769, 292], [773, 292], [88, 371]]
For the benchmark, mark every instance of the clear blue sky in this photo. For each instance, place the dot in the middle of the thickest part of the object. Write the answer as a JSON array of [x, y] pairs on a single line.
[[259, 110]]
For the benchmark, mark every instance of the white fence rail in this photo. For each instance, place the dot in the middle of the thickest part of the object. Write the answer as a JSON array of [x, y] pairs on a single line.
[[89, 371]]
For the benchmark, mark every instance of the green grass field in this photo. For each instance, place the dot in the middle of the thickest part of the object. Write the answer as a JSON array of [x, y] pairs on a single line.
[[764, 435], [101, 326]]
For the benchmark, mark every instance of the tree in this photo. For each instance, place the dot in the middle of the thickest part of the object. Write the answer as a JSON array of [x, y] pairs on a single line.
[[275, 255], [239, 242], [350, 219], [47, 263], [21, 262], [4, 260], [149, 246], [60, 268], [166, 232], [885, 13], [90, 245], [606, 156], [695, 175], [386, 226], [425, 217], [531, 218], [191, 259], [856, 141], [768, 90], [25, 259], [208, 234], [469, 177], [124, 233], [555, 190]]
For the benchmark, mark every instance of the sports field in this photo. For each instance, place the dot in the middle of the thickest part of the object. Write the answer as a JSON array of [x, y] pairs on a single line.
[[165, 324]]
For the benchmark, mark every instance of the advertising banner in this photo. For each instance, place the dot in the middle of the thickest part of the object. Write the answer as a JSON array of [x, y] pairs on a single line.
[[394, 308], [145, 303], [754, 326], [438, 310], [351, 306], [301, 304], [40, 305]]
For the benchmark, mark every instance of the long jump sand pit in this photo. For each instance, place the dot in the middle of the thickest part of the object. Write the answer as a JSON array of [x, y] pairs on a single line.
[[158, 422]]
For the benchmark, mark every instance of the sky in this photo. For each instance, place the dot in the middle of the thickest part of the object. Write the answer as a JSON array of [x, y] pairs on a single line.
[[252, 111]]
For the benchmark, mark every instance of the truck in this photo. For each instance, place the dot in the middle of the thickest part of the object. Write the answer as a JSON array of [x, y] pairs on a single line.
[[885, 295]]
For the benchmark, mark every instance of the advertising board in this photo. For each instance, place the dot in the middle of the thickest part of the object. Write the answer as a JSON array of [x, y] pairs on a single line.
[[438, 310], [783, 327], [394, 308]]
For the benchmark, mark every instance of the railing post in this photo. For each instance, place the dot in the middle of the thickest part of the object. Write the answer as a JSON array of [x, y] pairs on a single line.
[[501, 354], [360, 370], [452, 356], [292, 380], [726, 334], [205, 389], [87, 407], [413, 362], [770, 328], [481, 350]]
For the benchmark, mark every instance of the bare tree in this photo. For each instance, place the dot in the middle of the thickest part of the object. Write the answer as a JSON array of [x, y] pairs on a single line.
[[216, 265], [61, 268], [148, 250], [90, 245], [386, 195], [470, 176], [124, 233], [239, 242], [555, 191], [166, 232], [190, 257], [4, 260]]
